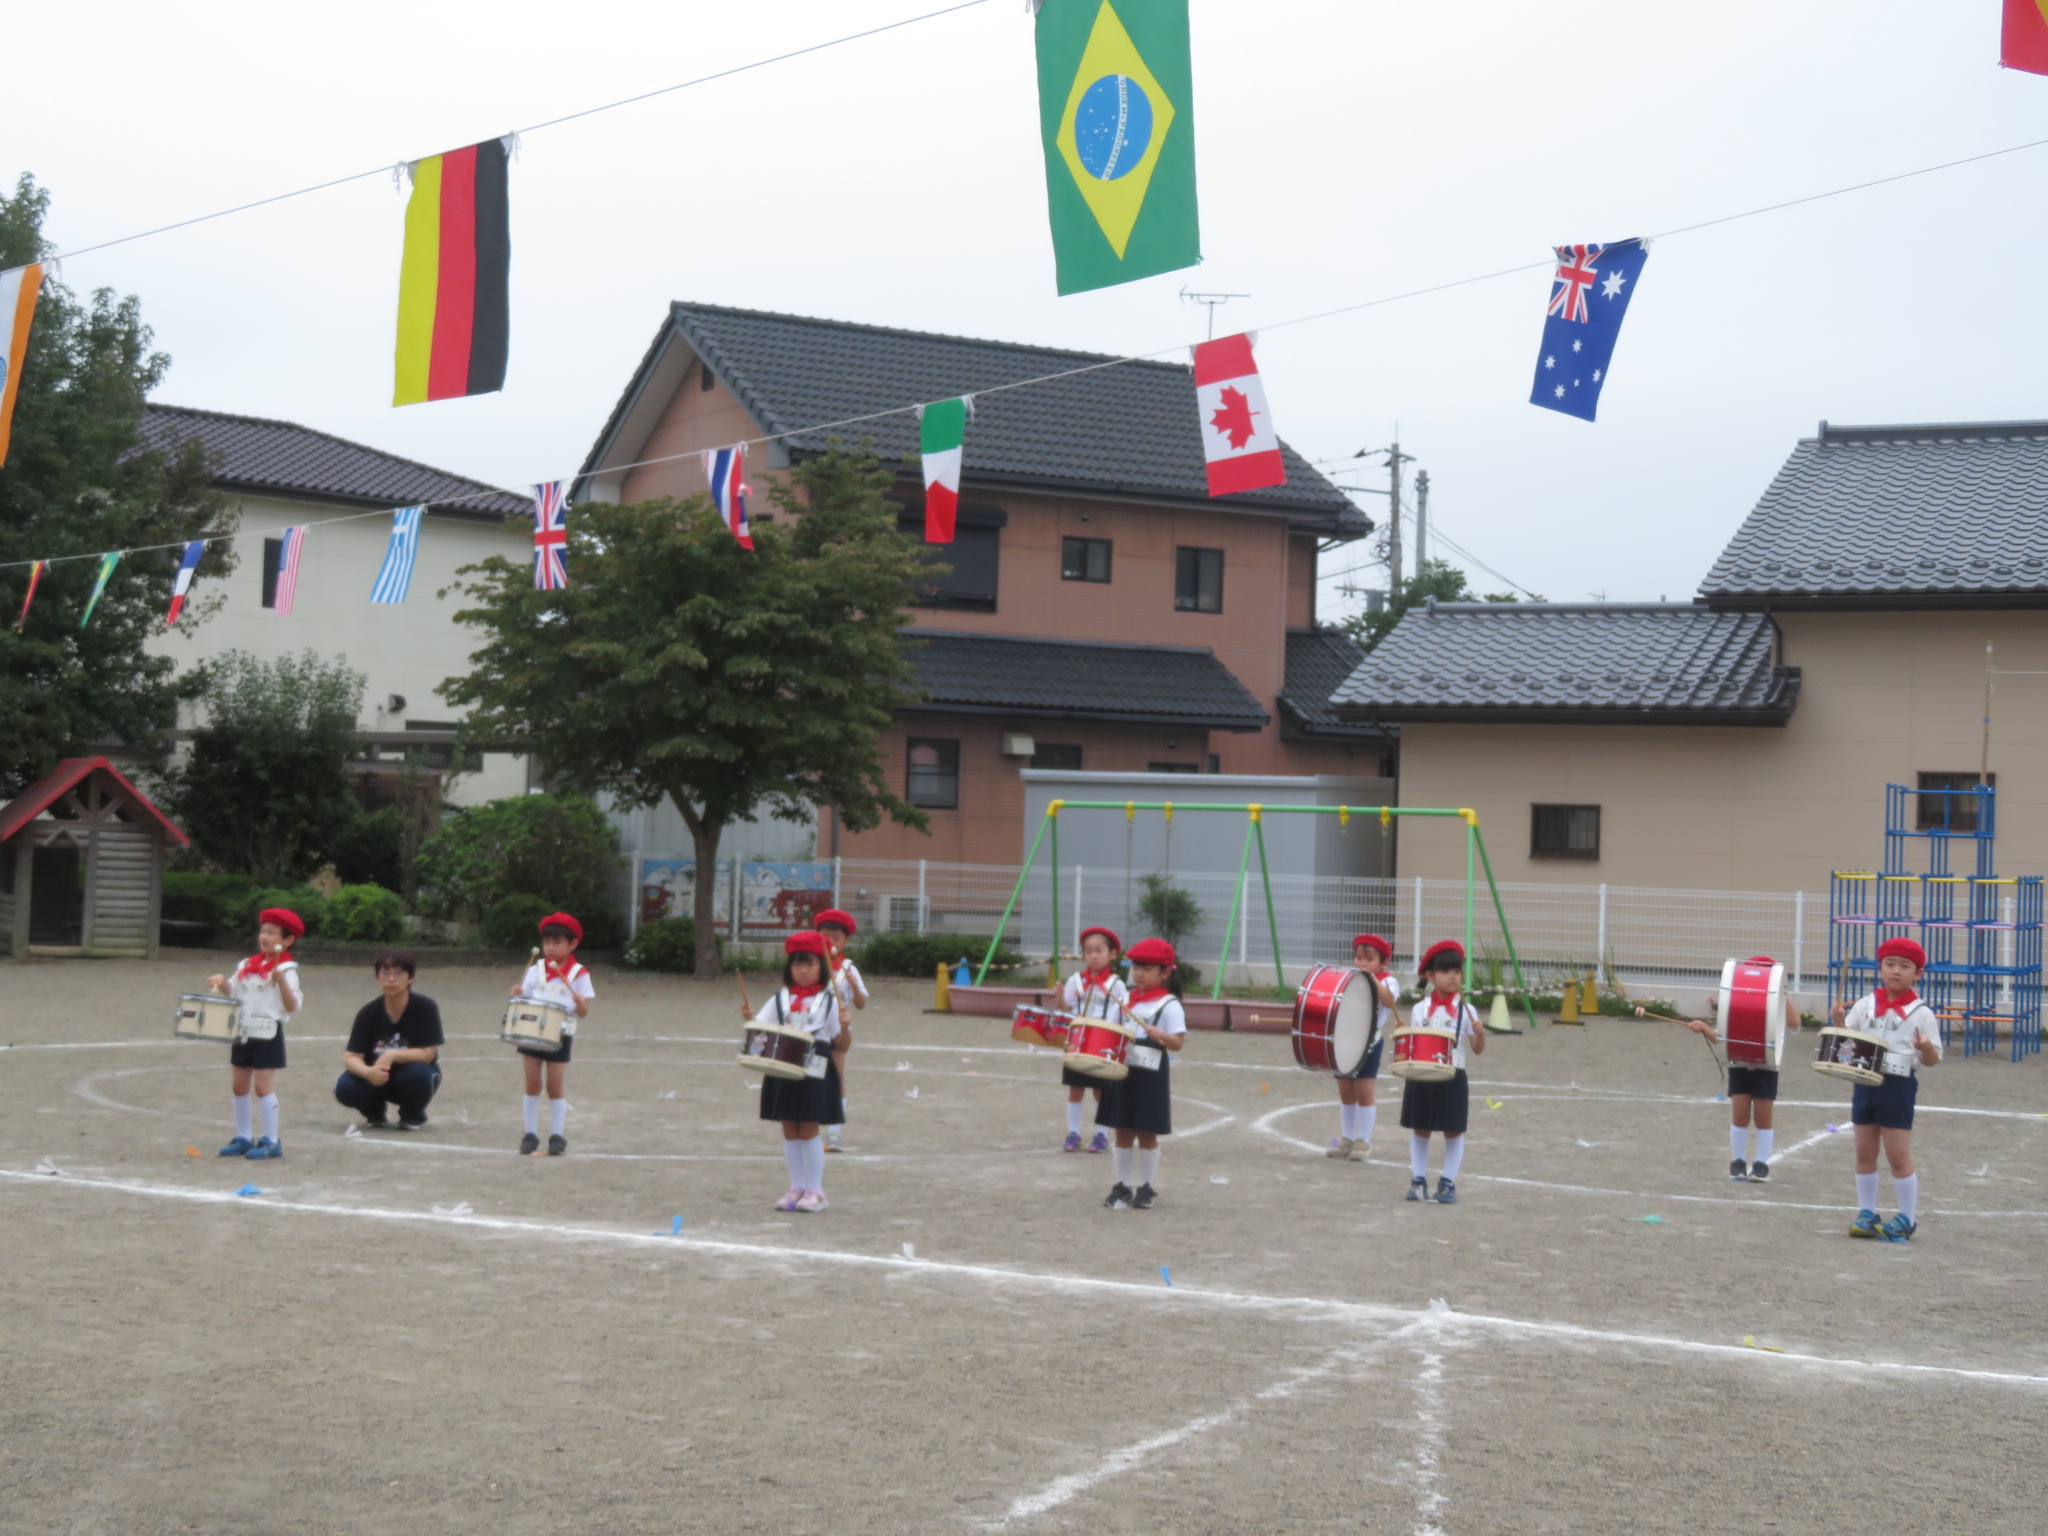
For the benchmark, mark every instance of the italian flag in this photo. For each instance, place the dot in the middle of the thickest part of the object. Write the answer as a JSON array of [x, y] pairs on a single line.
[[942, 427]]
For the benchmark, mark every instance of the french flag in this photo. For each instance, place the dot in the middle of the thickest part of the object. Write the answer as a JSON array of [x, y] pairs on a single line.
[[186, 567], [726, 469], [1239, 445]]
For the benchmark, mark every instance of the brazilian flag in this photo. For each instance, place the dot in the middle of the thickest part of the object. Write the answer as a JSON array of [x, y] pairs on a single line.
[[1117, 107]]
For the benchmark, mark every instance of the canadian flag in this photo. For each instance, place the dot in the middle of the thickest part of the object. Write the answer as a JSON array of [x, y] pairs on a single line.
[[1238, 440]]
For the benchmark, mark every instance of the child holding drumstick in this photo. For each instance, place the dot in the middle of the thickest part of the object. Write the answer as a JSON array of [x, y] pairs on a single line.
[[1883, 1112], [1139, 1106], [267, 987], [1432, 1107], [807, 1002], [1094, 992], [851, 992], [556, 977], [1356, 1110], [1752, 1095]]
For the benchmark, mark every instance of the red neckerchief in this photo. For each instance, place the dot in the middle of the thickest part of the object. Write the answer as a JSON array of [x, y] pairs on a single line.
[[1453, 1009], [1149, 994], [563, 972], [1886, 1005], [1091, 980], [804, 994], [259, 967]]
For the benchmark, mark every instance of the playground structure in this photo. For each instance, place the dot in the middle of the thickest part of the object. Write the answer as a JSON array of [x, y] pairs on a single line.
[[1982, 931], [1048, 835]]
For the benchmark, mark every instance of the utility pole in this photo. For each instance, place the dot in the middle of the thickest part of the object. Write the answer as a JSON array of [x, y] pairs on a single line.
[[1395, 459], [1421, 520]]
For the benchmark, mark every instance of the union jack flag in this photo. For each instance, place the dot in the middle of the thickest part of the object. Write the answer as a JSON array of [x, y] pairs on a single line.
[[550, 536], [1576, 274]]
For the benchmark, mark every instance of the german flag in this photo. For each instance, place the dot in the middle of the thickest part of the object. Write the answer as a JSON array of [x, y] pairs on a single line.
[[452, 304]]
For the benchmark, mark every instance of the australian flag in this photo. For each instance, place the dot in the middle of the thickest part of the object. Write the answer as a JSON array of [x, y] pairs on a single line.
[[1588, 296]]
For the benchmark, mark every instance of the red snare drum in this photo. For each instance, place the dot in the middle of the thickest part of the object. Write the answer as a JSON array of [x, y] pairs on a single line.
[[1852, 1055], [1752, 1013], [1097, 1048], [775, 1050], [1336, 1020], [1425, 1054], [1040, 1026]]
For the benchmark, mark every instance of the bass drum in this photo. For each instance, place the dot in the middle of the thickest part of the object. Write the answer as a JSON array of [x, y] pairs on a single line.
[[1336, 1020], [1752, 1013]]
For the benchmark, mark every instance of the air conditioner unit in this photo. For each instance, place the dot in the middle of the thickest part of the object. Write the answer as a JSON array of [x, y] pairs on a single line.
[[1017, 744], [900, 914]]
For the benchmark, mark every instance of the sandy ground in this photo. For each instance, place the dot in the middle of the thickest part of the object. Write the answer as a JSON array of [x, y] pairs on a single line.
[[430, 1334]]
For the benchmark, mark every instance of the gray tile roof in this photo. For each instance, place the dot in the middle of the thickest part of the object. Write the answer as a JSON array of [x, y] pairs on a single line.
[[1318, 663], [1901, 516], [252, 453], [1130, 429], [1648, 663], [1080, 680]]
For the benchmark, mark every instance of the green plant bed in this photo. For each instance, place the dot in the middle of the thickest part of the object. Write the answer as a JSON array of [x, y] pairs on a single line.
[[910, 954], [667, 944]]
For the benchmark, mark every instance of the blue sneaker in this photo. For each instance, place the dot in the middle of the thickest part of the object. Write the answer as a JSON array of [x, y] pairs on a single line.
[[1446, 1191], [265, 1148], [239, 1147], [1899, 1230], [1418, 1189], [1866, 1225]]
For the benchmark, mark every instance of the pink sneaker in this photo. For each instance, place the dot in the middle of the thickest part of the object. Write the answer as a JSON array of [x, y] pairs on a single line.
[[789, 1200], [1100, 1143], [811, 1200], [1072, 1143]]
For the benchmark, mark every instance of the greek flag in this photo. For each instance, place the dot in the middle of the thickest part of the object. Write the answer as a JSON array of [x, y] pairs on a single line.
[[405, 545]]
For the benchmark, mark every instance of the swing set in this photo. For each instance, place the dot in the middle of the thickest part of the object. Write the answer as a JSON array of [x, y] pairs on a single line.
[[1476, 862]]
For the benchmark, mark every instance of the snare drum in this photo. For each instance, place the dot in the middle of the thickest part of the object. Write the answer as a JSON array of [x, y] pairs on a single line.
[[1752, 1013], [534, 1024], [1852, 1055], [1336, 1020], [203, 1016], [1099, 1048], [1425, 1054], [1040, 1026], [776, 1050]]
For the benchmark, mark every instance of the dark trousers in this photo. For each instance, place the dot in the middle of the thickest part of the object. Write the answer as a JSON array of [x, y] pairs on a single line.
[[411, 1087]]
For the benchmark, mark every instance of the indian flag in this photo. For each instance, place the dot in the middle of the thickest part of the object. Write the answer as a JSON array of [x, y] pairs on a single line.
[[942, 428], [18, 290]]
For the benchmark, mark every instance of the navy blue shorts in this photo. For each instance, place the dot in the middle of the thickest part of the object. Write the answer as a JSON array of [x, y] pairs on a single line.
[[1370, 1067], [1757, 1082], [1888, 1104]]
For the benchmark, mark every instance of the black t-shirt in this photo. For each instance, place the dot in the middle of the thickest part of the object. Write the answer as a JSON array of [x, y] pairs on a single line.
[[374, 1032]]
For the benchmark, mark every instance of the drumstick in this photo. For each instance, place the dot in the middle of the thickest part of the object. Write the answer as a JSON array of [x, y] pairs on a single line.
[[745, 1002], [1707, 1040]]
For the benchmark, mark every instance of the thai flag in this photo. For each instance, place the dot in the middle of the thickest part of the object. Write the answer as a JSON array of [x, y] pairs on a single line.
[[290, 546], [183, 584], [396, 576], [726, 469], [550, 537]]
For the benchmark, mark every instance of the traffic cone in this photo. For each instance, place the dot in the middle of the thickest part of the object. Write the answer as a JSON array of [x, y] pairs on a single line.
[[963, 975], [1568, 1013], [1589, 1002], [942, 1002], [1497, 1019]]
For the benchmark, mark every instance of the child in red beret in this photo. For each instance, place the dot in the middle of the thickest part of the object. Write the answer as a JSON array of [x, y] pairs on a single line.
[[1093, 992], [835, 927], [267, 986], [1882, 1113], [1139, 1106], [1441, 1106], [556, 977], [1357, 1111], [802, 1105]]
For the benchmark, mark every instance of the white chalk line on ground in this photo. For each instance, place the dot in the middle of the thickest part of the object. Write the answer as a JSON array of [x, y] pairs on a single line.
[[1308, 1308], [1814, 1140], [1430, 1502], [1264, 1125]]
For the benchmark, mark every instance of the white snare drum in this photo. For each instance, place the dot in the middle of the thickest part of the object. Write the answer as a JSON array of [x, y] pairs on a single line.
[[1752, 1013], [534, 1024], [1853, 1055], [776, 1050], [203, 1016]]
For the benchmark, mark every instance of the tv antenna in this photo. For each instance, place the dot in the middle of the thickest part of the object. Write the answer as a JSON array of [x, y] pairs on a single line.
[[1211, 300]]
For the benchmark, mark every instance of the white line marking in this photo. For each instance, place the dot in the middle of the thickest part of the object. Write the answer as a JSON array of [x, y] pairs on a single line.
[[1308, 1308], [1062, 1490], [1800, 1146], [1430, 1502]]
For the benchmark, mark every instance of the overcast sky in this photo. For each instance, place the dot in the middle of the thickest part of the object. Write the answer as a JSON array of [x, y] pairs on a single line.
[[1348, 149]]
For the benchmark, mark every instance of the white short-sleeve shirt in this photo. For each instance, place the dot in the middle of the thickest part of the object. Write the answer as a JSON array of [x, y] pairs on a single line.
[[261, 997], [849, 984], [554, 989], [1898, 1030], [1164, 1014], [817, 1015], [1104, 1002], [1433, 1012]]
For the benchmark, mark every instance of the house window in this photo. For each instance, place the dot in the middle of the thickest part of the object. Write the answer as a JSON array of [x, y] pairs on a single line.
[[1084, 559], [273, 554], [1937, 812], [933, 778], [974, 558], [1052, 754], [1198, 580], [1172, 768], [1564, 831]]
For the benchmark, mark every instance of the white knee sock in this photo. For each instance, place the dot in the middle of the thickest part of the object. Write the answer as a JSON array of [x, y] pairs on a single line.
[[529, 1113], [1367, 1114], [1120, 1158], [842, 1111], [1418, 1155], [1866, 1191], [1764, 1139], [1345, 1120], [268, 1104], [1908, 1191], [558, 1115], [1074, 1111], [814, 1163], [793, 1156], [245, 1121], [1454, 1155], [1148, 1165], [1738, 1141]]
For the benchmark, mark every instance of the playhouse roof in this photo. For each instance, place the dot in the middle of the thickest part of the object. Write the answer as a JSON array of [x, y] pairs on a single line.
[[67, 776]]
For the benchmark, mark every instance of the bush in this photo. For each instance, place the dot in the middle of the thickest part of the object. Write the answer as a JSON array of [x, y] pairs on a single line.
[[909, 954], [193, 897], [370, 850], [1168, 909], [302, 899], [364, 914], [514, 923], [665, 944], [558, 849]]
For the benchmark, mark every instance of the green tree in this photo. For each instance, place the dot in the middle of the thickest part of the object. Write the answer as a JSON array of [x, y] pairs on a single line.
[[1169, 910], [265, 791], [556, 849], [679, 665], [73, 487], [1437, 579]]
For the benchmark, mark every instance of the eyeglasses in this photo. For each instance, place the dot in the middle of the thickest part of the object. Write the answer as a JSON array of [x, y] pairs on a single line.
[[393, 970]]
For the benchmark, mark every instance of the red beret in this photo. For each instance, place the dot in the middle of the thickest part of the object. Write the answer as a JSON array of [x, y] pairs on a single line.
[[1386, 950], [1153, 952], [843, 919], [285, 918], [563, 920], [1442, 947], [805, 943], [1115, 943], [1906, 949]]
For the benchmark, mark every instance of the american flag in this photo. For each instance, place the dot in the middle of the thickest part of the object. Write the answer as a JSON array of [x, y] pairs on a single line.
[[726, 469], [290, 545], [550, 537]]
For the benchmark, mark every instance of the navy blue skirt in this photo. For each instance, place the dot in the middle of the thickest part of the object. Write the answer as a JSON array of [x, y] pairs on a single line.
[[804, 1099]]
